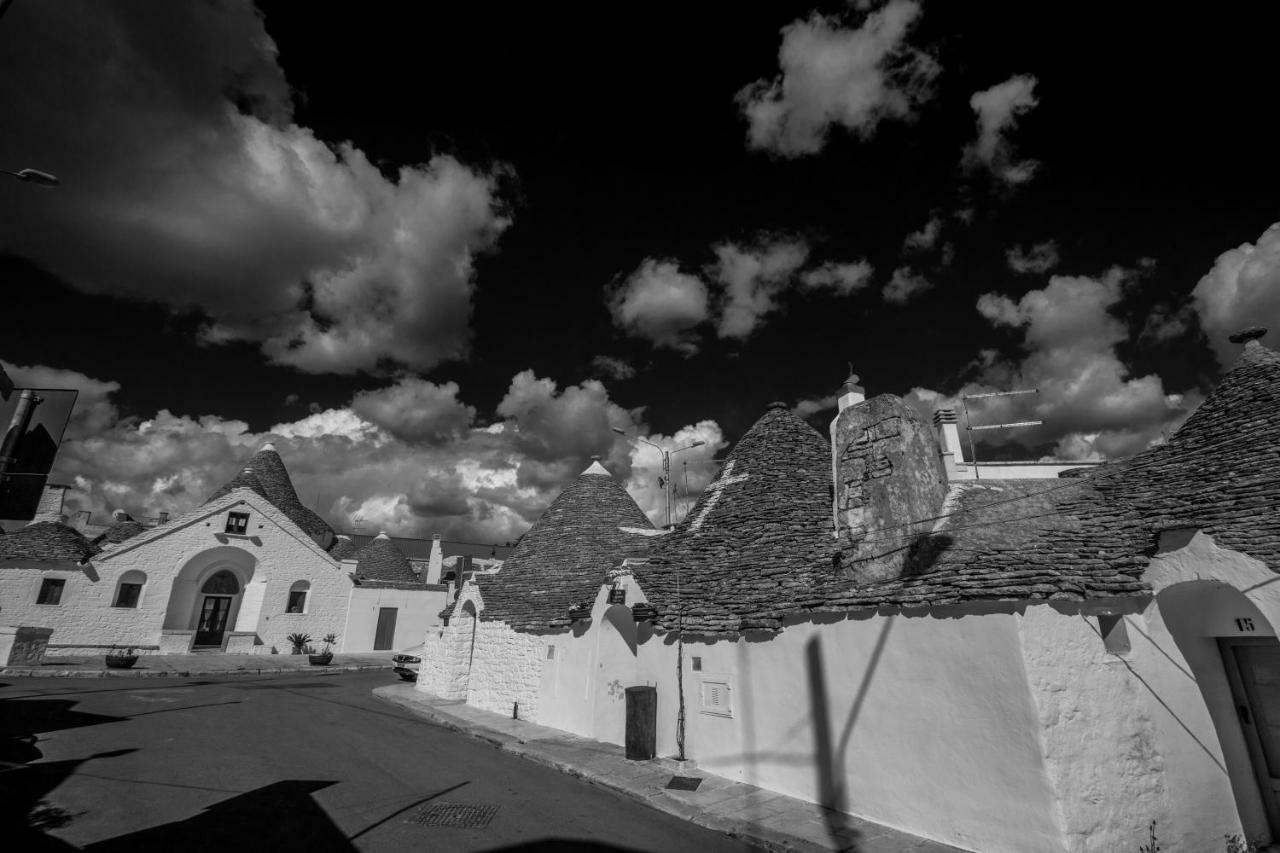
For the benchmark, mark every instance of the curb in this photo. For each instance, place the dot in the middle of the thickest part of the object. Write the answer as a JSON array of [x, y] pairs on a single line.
[[760, 837], [20, 672]]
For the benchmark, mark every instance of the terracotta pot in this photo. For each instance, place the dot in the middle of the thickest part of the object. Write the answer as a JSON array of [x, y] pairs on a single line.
[[320, 660]]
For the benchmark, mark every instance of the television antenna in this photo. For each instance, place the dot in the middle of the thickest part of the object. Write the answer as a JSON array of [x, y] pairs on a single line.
[[968, 423]]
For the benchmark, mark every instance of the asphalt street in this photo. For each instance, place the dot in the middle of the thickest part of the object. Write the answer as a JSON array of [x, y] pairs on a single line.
[[284, 763]]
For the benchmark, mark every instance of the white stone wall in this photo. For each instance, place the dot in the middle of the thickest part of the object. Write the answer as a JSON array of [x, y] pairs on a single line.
[[279, 553], [506, 668], [417, 610]]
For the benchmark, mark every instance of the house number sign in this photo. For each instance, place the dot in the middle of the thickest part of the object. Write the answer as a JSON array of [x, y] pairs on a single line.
[[1244, 623]]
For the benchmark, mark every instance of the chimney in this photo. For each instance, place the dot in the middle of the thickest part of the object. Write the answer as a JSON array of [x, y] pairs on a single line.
[[164, 517], [851, 393], [51, 501], [435, 560], [945, 423]]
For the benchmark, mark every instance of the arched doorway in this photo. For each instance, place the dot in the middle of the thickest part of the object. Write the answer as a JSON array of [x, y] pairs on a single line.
[[207, 596], [615, 671], [1234, 657], [217, 595]]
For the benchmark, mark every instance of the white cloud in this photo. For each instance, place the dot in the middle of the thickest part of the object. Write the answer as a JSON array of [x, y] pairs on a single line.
[[1038, 258], [808, 407], [833, 75], [415, 410], [1241, 290], [662, 305], [999, 110], [905, 285], [1091, 404], [187, 182], [487, 483], [691, 470], [611, 367], [751, 278], [926, 238], [842, 278]]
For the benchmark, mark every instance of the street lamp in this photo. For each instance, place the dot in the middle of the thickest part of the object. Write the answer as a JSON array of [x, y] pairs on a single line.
[[34, 176], [666, 463]]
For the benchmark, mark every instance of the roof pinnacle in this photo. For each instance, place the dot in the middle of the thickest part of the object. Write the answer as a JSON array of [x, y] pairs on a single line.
[[1244, 336]]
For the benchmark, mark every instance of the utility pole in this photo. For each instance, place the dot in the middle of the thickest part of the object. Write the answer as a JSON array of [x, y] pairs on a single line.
[[22, 413]]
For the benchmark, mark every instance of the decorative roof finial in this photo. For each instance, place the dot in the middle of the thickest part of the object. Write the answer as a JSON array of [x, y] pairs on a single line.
[[1244, 336]]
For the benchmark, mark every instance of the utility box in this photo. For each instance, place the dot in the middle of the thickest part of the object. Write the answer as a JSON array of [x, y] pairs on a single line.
[[642, 723]]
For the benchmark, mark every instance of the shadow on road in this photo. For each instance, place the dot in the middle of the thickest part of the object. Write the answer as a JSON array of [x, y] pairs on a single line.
[[279, 816], [562, 845]]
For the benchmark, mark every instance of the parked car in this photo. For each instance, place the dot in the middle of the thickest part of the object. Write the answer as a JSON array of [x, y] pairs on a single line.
[[406, 663]]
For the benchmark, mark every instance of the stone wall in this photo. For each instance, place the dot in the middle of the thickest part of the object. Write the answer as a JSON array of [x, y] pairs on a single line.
[[506, 668]]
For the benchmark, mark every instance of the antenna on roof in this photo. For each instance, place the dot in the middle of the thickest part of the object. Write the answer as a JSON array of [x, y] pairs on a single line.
[[969, 427]]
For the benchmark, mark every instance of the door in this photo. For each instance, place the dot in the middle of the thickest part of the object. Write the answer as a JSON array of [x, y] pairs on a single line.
[[213, 620], [1253, 668], [385, 635]]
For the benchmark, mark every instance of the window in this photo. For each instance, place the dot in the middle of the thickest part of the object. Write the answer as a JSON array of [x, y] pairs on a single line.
[[129, 591], [298, 597], [51, 591], [221, 583], [697, 664], [715, 698], [238, 522]]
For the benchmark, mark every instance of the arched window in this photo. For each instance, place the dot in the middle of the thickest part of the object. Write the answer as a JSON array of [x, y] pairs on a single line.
[[298, 597], [221, 583], [129, 589]]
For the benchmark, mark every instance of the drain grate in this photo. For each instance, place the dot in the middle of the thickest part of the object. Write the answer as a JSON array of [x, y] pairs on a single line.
[[684, 783], [453, 814]]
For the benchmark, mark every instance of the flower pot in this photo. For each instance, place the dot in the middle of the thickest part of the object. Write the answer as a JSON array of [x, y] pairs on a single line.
[[321, 659], [121, 661]]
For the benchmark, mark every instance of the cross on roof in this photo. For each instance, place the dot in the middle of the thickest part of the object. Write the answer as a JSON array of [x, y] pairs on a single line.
[[717, 489]]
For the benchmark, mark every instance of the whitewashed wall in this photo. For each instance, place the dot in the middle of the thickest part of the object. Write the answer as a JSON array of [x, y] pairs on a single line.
[[417, 611]]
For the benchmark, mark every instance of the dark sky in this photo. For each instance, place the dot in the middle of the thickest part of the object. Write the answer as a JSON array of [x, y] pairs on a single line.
[[612, 136]]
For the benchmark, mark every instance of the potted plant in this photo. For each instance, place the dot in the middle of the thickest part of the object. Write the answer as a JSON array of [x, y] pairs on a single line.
[[325, 656], [117, 659], [298, 640]]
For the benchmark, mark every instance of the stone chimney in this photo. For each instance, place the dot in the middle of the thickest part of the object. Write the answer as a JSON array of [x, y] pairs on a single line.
[[851, 393], [50, 506], [945, 424], [435, 560], [888, 472]]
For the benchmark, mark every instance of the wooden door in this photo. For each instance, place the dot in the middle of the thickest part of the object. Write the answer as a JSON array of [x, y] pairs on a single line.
[[1253, 668], [213, 620], [385, 634]]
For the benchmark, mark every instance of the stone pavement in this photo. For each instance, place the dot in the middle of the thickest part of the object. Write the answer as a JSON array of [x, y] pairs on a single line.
[[187, 666], [764, 818]]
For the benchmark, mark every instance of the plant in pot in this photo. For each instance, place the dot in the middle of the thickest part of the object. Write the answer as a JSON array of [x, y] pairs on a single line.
[[117, 659], [298, 640], [325, 656]]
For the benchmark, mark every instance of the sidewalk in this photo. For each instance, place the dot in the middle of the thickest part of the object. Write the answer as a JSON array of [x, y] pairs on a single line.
[[187, 666], [766, 819]]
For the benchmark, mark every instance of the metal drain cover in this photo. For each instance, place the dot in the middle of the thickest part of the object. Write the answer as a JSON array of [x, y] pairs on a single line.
[[453, 814], [684, 783]]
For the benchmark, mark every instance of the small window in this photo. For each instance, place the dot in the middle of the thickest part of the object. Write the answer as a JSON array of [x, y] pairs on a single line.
[[129, 591], [51, 591], [1115, 636], [237, 522], [697, 664], [298, 597], [551, 652]]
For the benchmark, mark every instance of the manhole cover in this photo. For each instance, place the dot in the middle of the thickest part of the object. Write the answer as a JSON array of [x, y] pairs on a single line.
[[684, 783], [453, 814]]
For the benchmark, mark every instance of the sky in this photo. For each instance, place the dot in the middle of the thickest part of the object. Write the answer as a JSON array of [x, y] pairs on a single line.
[[437, 255]]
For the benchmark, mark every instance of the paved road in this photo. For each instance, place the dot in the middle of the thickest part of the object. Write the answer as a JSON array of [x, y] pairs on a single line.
[[284, 763]]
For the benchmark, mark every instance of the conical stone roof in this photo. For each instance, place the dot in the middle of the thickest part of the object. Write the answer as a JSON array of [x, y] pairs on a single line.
[[47, 541], [265, 474], [562, 560], [381, 561], [759, 539]]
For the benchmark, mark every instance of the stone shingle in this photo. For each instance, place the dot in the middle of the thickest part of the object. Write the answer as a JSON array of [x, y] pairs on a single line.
[[265, 474], [563, 558], [47, 541], [381, 561]]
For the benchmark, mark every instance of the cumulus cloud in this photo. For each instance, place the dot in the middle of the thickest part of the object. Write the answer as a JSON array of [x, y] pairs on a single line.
[[661, 304], [487, 483], [612, 368], [186, 181], [811, 406], [905, 285], [1091, 404], [837, 75], [926, 238], [751, 278], [1038, 258], [415, 410], [841, 278], [691, 470], [999, 110], [1241, 289]]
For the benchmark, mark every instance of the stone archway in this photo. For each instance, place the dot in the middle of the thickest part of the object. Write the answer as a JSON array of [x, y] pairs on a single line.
[[1230, 646], [216, 591]]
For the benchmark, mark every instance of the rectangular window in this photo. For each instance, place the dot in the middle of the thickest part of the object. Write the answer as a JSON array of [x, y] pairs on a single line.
[[237, 522], [51, 591], [697, 664], [128, 595], [297, 601]]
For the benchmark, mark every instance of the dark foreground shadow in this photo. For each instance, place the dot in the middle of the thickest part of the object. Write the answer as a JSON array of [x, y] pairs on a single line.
[[562, 845], [279, 816]]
